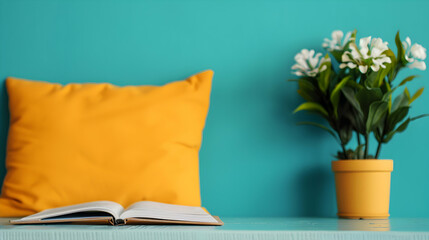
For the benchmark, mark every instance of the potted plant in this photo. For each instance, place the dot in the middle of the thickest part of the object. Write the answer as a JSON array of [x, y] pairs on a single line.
[[353, 88]]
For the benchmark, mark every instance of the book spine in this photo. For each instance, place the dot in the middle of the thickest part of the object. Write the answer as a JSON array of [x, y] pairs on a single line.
[[120, 222]]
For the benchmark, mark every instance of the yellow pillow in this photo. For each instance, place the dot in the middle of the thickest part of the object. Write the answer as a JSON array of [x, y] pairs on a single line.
[[87, 142]]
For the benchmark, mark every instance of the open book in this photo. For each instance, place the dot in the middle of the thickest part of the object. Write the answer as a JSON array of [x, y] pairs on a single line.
[[104, 212]]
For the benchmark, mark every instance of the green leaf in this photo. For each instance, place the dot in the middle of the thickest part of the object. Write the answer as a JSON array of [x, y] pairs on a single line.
[[408, 79], [324, 77], [396, 117], [312, 106], [335, 95], [350, 95], [385, 86], [416, 95], [371, 80], [307, 90], [389, 102], [382, 73], [402, 127], [356, 120], [337, 54], [304, 95], [388, 87], [401, 100], [378, 133], [393, 70], [388, 95], [355, 117], [419, 116], [354, 84], [304, 83], [377, 111], [400, 48], [407, 93], [367, 96], [320, 126], [345, 134], [390, 66]]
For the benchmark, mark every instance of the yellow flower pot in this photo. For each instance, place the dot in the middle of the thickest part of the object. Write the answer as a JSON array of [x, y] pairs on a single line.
[[363, 188]]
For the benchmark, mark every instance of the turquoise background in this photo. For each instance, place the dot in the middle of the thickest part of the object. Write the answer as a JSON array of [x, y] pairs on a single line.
[[254, 160]]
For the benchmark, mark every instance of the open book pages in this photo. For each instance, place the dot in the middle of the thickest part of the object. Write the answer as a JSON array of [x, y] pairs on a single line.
[[148, 209], [97, 209], [103, 209]]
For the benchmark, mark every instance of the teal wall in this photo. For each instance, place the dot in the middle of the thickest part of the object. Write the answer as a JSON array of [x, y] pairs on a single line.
[[254, 160]]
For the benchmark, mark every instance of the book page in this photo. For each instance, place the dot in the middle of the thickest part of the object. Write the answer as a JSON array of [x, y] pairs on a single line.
[[84, 210], [156, 210]]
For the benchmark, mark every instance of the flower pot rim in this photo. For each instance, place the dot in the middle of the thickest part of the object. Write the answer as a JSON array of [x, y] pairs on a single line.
[[362, 165], [369, 159]]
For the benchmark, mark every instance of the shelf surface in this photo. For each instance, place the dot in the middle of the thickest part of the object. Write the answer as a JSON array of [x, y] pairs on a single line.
[[234, 228]]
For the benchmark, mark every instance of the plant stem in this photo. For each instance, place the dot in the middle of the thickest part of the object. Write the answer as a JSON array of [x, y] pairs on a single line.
[[366, 146], [383, 133], [378, 150], [344, 150], [358, 138], [343, 147]]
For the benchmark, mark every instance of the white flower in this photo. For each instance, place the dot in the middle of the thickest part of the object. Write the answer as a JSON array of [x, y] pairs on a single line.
[[414, 54], [337, 42], [308, 64], [370, 54]]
